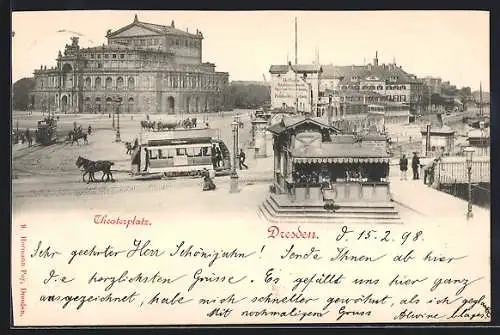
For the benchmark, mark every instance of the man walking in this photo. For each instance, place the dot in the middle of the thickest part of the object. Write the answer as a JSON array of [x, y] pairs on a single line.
[[415, 164], [242, 157], [403, 166]]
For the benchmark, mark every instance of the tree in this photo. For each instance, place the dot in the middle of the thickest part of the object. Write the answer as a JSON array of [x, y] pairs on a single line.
[[20, 93]]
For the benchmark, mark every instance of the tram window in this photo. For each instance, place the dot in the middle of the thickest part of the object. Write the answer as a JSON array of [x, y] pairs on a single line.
[[170, 153], [181, 151], [153, 154], [190, 152], [160, 154], [206, 151], [198, 152]]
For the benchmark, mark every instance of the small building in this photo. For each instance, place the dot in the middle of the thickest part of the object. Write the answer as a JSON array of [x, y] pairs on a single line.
[[324, 171], [479, 139], [442, 140]]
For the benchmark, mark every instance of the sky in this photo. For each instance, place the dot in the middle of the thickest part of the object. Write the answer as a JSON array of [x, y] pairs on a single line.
[[453, 45]]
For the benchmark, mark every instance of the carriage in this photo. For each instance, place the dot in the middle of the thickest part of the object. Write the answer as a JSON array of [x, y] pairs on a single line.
[[178, 153], [46, 131]]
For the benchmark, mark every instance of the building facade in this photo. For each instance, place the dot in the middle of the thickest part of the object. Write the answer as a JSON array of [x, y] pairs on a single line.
[[295, 86], [143, 68], [389, 82]]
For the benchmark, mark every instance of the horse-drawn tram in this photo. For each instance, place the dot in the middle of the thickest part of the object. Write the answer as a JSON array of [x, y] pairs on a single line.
[[46, 131], [176, 153]]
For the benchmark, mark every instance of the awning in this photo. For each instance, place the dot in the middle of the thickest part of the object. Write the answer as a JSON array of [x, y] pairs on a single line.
[[339, 160]]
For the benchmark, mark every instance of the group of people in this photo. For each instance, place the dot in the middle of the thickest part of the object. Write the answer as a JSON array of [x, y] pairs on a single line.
[[428, 169]]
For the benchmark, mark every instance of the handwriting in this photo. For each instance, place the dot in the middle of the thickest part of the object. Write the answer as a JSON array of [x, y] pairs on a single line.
[[141, 249], [275, 231], [44, 253], [213, 255], [462, 282], [82, 299], [324, 278], [139, 278], [430, 257], [107, 252], [344, 254], [199, 278], [53, 277], [311, 253], [178, 298]]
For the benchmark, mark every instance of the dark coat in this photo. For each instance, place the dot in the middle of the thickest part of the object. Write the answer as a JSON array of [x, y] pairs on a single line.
[[403, 164], [415, 162]]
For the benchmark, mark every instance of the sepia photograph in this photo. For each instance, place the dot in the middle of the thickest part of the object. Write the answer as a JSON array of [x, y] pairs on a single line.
[[250, 167]]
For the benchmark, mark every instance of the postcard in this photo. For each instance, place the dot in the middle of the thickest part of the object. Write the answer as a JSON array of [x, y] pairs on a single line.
[[260, 167]]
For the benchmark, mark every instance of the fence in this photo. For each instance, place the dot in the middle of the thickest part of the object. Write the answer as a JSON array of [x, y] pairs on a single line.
[[453, 170]]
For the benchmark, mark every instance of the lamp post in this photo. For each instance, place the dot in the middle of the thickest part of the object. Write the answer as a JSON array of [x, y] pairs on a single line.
[[234, 175], [118, 100], [469, 152], [113, 124]]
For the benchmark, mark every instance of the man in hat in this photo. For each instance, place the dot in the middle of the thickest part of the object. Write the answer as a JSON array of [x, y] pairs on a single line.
[[415, 164]]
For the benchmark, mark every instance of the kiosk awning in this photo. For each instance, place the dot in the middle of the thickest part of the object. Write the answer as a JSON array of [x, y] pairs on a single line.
[[339, 160]]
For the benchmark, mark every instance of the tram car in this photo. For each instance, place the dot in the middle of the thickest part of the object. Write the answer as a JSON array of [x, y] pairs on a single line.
[[178, 153], [46, 131]]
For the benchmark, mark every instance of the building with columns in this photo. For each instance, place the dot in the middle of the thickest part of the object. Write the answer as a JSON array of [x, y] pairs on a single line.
[[150, 68]]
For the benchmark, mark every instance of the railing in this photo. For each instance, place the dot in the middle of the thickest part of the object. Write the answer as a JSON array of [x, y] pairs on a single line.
[[450, 172]]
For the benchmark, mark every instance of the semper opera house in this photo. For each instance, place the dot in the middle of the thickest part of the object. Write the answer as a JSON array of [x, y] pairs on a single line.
[[144, 68]]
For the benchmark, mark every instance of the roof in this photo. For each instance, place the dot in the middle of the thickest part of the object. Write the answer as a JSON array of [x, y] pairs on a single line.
[[156, 28], [300, 68], [442, 130], [477, 133], [121, 47], [294, 121], [381, 72], [179, 134]]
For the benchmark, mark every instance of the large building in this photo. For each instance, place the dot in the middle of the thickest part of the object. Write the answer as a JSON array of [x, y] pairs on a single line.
[[313, 85], [143, 68]]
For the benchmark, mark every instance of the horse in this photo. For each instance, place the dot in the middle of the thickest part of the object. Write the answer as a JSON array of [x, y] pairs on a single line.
[[75, 136], [91, 167]]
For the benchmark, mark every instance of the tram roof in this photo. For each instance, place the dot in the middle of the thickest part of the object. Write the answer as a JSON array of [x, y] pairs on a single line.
[[180, 134]]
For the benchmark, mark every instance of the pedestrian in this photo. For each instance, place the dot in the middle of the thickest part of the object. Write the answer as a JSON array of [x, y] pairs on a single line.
[[213, 154], [403, 166], [415, 165], [146, 164], [89, 129], [28, 136], [429, 172], [242, 157], [219, 157]]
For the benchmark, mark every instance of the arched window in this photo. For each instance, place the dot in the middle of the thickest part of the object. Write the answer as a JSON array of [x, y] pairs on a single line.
[[88, 82], [109, 83], [119, 83], [98, 83], [131, 83]]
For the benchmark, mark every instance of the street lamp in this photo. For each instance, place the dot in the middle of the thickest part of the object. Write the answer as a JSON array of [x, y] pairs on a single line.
[[234, 175], [118, 100], [468, 151]]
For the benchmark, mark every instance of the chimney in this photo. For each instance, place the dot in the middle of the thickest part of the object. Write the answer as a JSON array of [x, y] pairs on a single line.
[[173, 24], [375, 60], [135, 18], [187, 30]]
